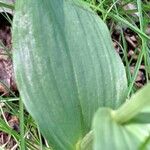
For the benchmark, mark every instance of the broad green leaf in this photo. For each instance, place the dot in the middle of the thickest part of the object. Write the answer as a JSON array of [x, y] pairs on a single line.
[[65, 67]]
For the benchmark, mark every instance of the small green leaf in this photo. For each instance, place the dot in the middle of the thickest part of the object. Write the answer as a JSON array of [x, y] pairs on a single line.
[[110, 135], [125, 128], [132, 107]]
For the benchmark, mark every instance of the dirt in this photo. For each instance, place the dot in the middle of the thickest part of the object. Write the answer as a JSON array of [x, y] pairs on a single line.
[[6, 69], [7, 81], [133, 50]]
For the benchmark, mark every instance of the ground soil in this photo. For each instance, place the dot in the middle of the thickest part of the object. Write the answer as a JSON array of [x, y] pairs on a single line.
[[7, 81]]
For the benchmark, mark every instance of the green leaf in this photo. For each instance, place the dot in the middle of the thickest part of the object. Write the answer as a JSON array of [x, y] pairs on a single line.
[[142, 118], [65, 67], [132, 107], [128, 125], [108, 134]]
